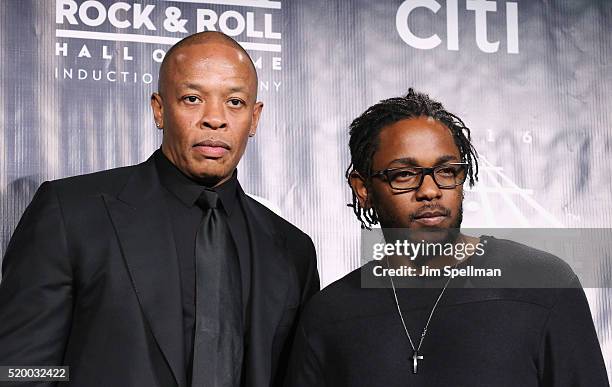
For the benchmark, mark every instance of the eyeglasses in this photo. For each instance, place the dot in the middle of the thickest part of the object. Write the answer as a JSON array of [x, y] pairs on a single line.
[[445, 176]]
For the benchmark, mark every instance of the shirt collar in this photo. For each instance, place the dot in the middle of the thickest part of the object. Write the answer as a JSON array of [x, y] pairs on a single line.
[[188, 190]]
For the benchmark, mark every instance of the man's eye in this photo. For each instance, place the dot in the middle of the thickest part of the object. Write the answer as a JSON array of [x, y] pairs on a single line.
[[191, 99], [447, 171], [405, 174], [235, 102]]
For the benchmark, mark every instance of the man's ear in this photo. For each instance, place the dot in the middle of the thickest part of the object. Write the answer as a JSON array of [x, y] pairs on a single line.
[[157, 104], [360, 188], [255, 119]]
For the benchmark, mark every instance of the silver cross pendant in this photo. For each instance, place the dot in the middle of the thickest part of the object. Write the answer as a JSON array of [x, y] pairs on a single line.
[[415, 361]]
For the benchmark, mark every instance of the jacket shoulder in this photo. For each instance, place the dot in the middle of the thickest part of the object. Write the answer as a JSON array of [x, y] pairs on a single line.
[[279, 224], [109, 181], [299, 249]]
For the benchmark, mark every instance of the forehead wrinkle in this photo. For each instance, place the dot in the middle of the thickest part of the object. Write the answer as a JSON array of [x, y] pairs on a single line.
[[202, 87]]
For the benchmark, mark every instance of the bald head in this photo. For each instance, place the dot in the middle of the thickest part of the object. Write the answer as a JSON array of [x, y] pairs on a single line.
[[202, 38]]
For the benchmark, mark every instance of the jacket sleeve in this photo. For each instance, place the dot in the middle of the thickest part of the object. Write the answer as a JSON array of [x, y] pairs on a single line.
[[302, 367], [36, 297], [570, 354], [311, 284], [308, 278]]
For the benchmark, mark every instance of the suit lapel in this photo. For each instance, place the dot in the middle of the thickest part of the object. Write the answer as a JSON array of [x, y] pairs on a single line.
[[269, 285], [143, 227]]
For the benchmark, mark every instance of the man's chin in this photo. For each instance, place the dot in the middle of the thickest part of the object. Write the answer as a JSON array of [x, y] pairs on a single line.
[[427, 234], [211, 173], [432, 234]]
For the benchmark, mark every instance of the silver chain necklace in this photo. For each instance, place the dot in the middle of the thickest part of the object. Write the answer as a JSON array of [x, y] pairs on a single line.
[[415, 351]]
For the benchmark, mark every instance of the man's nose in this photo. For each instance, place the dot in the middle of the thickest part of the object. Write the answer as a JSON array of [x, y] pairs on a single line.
[[213, 116], [428, 190]]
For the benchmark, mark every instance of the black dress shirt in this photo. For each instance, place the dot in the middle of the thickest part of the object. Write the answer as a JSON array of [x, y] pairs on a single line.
[[181, 196]]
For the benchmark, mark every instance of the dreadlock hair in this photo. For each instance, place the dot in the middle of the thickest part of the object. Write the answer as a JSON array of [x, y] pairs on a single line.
[[364, 131]]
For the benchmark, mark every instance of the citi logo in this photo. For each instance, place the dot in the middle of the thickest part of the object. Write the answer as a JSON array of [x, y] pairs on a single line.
[[481, 10]]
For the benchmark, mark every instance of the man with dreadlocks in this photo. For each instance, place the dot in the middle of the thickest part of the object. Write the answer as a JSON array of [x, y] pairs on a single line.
[[410, 158]]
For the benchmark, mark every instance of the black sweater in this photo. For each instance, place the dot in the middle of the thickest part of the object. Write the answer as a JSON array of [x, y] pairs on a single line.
[[493, 337]]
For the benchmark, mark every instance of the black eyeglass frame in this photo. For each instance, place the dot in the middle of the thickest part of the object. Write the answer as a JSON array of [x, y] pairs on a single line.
[[425, 171]]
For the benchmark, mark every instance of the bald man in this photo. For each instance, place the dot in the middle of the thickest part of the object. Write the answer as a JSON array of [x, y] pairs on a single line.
[[163, 273]]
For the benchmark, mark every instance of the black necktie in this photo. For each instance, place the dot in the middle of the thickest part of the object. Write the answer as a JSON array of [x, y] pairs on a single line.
[[218, 342]]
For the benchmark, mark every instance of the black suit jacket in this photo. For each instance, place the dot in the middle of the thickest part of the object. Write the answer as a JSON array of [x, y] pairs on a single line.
[[91, 281]]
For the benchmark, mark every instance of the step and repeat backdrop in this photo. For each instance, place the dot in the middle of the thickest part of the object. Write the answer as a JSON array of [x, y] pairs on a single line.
[[532, 79]]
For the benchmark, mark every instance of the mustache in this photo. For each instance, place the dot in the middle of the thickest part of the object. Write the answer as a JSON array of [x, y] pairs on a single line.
[[430, 210]]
